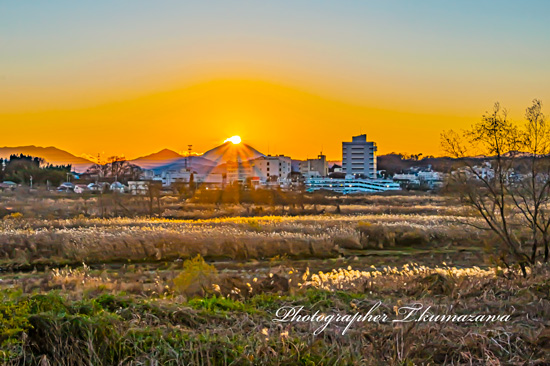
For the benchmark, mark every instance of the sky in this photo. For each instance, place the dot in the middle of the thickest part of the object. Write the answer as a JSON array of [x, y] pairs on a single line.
[[131, 77]]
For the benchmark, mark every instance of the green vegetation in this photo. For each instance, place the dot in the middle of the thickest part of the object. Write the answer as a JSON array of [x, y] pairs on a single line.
[[22, 169], [92, 321]]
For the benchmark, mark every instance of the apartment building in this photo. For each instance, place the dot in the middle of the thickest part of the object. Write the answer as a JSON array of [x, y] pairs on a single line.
[[359, 157]]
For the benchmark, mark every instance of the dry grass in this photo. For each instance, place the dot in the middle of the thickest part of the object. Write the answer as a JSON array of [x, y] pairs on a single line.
[[29, 242], [116, 311], [92, 322]]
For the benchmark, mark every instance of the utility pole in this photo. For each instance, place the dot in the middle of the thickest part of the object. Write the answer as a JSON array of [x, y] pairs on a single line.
[[189, 149]]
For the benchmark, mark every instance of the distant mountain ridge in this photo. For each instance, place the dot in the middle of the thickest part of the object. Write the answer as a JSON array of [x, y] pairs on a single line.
[[50, 154], [160, 158], [160, 155], [167, 159]]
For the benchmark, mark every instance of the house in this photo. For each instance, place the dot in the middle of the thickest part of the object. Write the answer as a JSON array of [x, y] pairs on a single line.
[[81, 188], [7, 184], [138, 187], [118, 187], [66, 187]]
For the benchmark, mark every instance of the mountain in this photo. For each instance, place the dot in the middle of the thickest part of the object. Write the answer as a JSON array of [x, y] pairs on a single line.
[[161, 155], [195, 163], [50, 154], [160, 158], [170, 160], [231, 152]]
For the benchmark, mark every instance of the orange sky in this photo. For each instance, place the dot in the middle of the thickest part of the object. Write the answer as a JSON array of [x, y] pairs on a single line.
[[273, 118], [289, 78]]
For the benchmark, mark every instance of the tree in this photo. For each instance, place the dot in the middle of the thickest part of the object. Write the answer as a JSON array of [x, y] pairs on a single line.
[[117, 168], [532, 195], [154, 190], [514, 207]]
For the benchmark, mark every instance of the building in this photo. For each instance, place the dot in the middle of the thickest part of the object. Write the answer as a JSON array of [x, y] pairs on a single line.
[[140, 187], [314, 167], [238, 171], [336, 169], [81, 188], [406, 178], [265, 170], [272, 167], [7, 184], [118, 187], [171, 177], [351, 185], [359, 157]]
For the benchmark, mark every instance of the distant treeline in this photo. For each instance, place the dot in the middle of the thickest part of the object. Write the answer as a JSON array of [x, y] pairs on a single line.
[[398, 163], [20, 168]]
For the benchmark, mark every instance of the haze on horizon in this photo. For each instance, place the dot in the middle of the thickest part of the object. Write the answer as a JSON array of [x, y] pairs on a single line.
[[134, 77]]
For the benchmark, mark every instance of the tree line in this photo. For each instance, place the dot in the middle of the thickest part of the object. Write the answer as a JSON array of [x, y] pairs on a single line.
[[22, 168]]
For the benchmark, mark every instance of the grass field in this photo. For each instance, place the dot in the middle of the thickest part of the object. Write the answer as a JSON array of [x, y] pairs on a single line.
[[83, 290]]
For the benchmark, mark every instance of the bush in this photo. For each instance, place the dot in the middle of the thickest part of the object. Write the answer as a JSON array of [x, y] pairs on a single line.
[[375, 236], [347, 243], [14, 216], [197, 277], [13, 320]]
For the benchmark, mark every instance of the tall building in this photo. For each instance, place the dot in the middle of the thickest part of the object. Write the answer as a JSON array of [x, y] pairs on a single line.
[[359, 157]]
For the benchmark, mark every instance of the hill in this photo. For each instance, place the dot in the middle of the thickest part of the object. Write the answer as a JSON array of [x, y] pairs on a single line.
[[231, 152], [50, 154], [154, 160]]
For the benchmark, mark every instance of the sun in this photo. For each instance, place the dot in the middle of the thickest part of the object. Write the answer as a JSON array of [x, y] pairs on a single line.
[[234, 139]]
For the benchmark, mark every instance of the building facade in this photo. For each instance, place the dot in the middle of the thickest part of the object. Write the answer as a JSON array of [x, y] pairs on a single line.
[[351, 185], [272, 168], [314, 167], [359, 157]]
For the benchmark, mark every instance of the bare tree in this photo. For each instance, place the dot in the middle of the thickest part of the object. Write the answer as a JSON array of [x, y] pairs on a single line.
[[531, 195], [154, 189], [508, 202]]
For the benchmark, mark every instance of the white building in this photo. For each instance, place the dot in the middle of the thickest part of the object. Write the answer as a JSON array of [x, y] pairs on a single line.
[[169, 177], [407, 178], [428, 178], [359, 157], [118, 187], [351, 185], [272, 168], [138, 187]]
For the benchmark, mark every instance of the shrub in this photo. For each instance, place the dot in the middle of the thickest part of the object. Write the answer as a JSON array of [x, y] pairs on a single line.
[[14, 216], [412, 237], [375, 236], [197, 277], [347, 243], [13, 319]]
